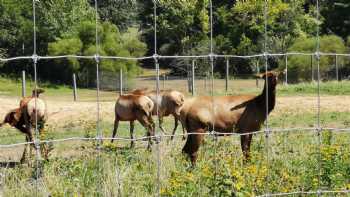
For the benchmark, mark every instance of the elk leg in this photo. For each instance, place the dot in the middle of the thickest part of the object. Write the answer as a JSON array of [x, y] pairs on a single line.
[[31, 139], [44, 146], [161, 124], [24, 155], [116, 124], [152, 126], [29, 134], [146, 122], [245, 145], [132, 125], [176, 119], [192, 145], [183, 129], [28, 131]]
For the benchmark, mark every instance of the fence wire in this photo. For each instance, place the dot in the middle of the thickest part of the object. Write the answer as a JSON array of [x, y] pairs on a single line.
[[156, 57], [159, 56]]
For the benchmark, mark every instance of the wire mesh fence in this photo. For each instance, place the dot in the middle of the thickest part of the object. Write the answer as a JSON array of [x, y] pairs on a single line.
[[110, 170]]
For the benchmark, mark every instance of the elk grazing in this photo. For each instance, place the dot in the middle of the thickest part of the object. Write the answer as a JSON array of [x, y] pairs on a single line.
[[130, 107], [169, 102], [32, 113], [241, 114]]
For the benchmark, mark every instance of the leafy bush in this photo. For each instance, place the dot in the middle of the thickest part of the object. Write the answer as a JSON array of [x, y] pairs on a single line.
[[299, 66]]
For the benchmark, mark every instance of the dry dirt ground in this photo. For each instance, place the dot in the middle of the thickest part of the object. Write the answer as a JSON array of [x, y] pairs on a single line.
[[62, 111]]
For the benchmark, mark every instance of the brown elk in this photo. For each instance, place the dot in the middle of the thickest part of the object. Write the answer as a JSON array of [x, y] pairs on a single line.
[[32, 113], [131, 107], [169, 102], [241, 114]]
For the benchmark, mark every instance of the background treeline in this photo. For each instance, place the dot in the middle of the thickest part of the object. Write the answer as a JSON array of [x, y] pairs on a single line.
[[126, 29]]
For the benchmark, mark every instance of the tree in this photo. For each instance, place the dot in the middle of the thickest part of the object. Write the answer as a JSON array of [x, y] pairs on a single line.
[[299, 66], [122, 13], [336, 15], [181, 26], [81, 41], [240, 29], [16, 26]]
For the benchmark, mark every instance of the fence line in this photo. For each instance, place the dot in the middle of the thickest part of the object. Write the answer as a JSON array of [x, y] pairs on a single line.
[[211, 56], [220, 134], [203, 56]]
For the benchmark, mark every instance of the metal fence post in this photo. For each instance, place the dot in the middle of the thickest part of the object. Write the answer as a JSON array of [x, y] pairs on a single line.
[[286, 70], [227, 75], [23, 83], [75, 94], [257, 72], [192, 78], [125, 81], [188, 79], [121, 82], [312, 68], [336, 67], [204, 82]]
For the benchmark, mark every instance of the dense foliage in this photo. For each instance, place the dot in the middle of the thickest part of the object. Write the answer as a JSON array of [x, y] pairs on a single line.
[[300, 67], [126, 29]]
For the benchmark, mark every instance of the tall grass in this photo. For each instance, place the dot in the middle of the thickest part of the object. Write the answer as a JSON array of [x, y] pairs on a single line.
[[78, 169]]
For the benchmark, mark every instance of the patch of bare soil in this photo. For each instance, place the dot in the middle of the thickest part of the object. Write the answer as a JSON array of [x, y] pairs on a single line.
[[62, 111], [300, 104]]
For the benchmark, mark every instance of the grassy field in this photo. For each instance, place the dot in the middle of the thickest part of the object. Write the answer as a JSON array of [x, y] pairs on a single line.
[[77, 168]]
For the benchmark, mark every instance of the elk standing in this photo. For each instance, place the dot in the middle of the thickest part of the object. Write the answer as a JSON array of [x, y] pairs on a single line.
[[132, 107], [169, 102], [241, 114], [32, 113]]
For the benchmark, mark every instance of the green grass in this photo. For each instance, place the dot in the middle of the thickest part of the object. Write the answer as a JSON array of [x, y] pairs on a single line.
[[77, 169], [307, 119], [326, 88], [292, 166], [10, 88]]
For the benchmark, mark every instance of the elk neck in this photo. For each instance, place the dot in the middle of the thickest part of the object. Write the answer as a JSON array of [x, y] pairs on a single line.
[[271, 97]]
